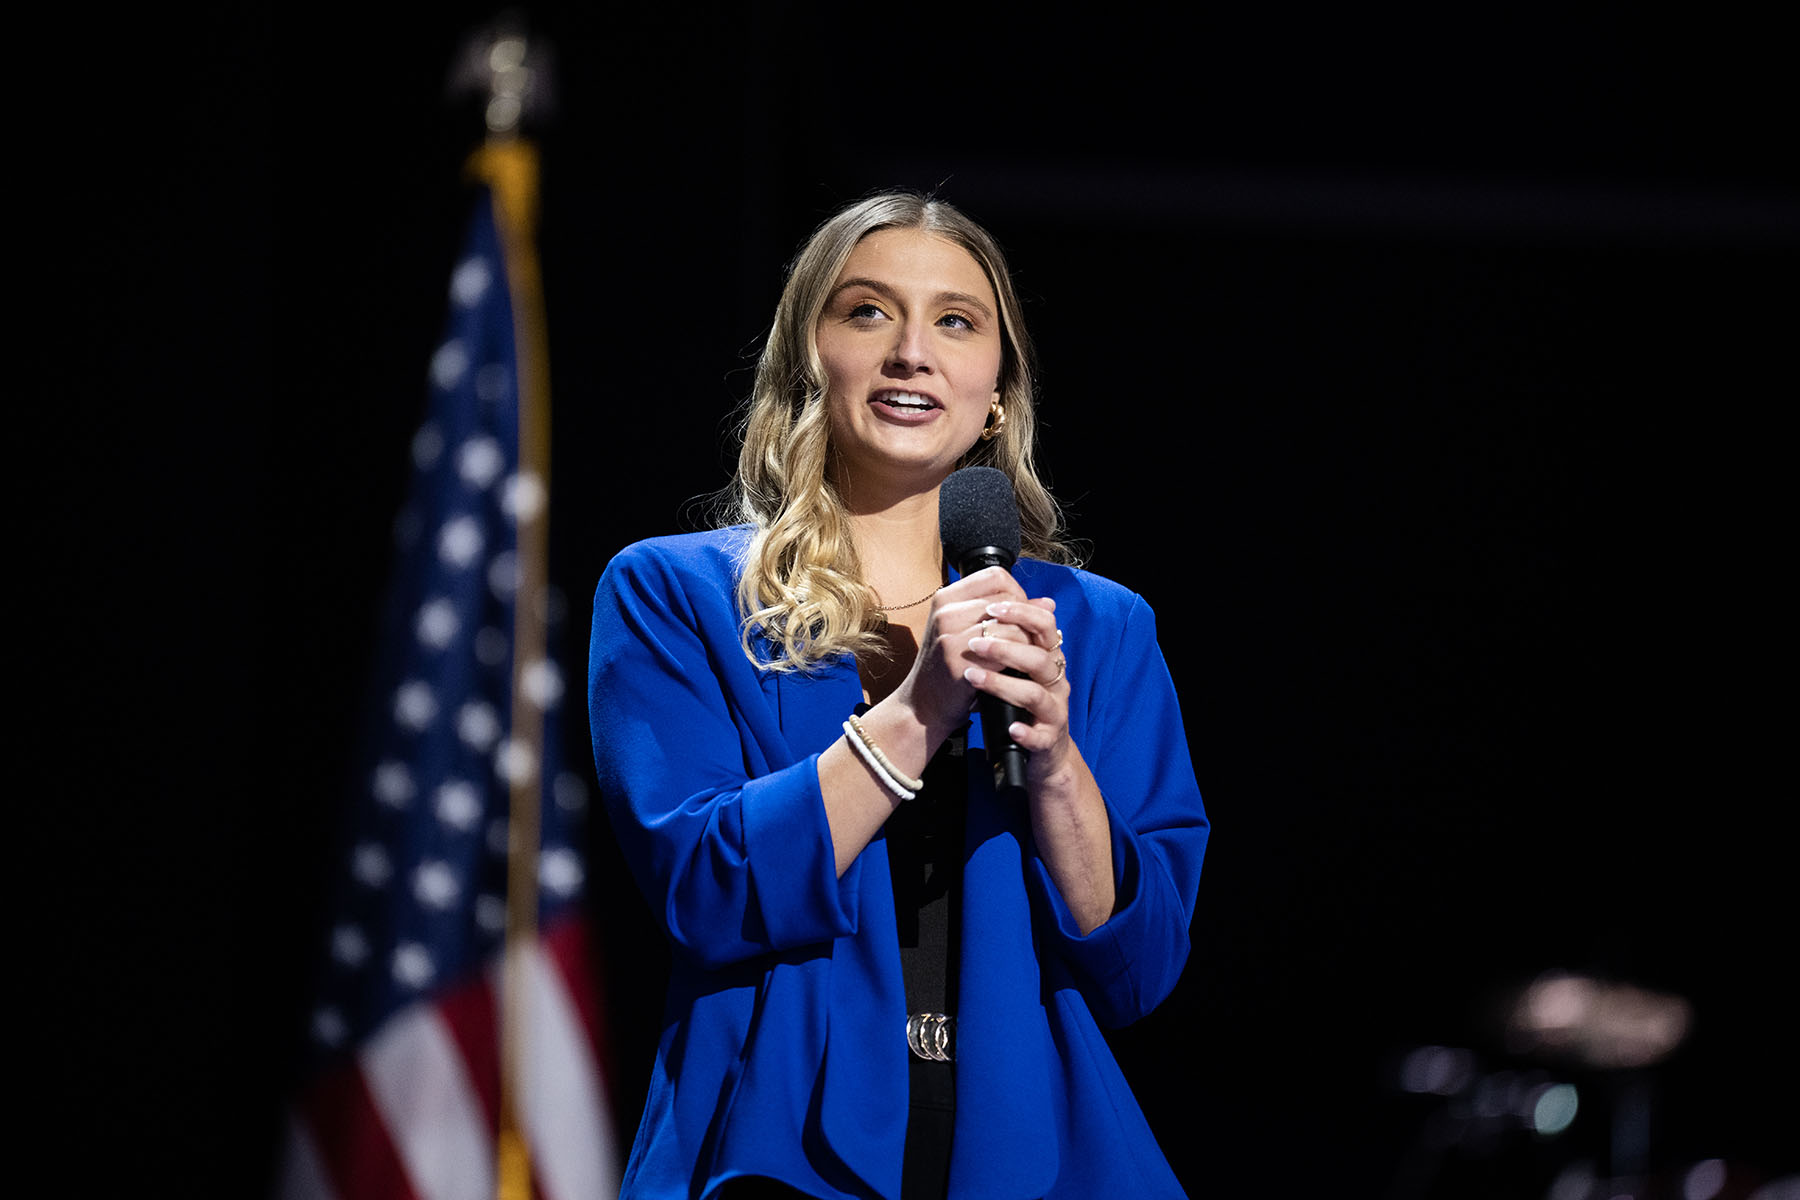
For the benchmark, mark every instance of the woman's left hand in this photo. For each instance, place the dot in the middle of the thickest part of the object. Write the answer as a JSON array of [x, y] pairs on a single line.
[[1068, 815], [1023, 636]]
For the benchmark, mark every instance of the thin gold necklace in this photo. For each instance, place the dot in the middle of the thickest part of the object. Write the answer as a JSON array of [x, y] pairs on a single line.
[[884, 608], [911, 604]]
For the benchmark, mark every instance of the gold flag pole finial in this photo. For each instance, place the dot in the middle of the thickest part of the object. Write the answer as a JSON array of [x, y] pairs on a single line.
[[511, 71]]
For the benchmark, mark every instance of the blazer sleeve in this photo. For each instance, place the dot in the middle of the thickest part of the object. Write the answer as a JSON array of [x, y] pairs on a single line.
[[725, 835], [1136, 746]]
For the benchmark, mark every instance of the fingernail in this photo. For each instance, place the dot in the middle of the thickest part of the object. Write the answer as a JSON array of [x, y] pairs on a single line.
[[974, 675], [999, 608]]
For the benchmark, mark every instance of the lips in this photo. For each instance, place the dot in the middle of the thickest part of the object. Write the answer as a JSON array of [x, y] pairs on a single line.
[[912, 402]]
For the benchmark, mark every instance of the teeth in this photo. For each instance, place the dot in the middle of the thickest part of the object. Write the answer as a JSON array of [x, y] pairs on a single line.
[[906, 400]]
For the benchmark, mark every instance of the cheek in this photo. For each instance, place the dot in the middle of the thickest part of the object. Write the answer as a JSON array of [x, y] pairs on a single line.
[[839, 369], [827, 369], [986, 379], [839, 390]]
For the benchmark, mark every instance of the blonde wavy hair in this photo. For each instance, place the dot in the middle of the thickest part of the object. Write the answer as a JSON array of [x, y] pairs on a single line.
[[800, 583]]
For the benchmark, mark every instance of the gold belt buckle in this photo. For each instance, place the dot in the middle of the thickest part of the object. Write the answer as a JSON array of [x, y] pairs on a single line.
[[932, 1036]]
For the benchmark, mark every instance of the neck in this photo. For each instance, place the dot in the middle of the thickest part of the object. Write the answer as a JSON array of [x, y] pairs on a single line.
[[899, 545]]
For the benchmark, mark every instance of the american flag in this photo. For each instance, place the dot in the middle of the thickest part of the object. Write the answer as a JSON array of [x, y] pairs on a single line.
[[434, 1028]]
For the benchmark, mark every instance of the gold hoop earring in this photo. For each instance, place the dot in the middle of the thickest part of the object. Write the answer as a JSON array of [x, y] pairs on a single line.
[[996, 421]]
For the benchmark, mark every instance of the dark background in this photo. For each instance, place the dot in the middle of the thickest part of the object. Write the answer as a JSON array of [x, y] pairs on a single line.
[[1426, 372]]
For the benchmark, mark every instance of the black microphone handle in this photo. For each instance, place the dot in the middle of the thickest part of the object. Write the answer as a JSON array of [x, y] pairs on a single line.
[[1005, 755]]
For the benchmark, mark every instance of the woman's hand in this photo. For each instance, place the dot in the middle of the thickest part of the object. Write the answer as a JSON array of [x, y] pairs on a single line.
[[939, 690], [980, 627], [1023, 637], [910, 724]]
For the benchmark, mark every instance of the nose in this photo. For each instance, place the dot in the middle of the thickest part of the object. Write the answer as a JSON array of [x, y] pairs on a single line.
[[911, 353]]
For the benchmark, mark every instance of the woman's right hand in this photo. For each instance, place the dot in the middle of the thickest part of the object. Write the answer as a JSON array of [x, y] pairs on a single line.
[[931, 702]]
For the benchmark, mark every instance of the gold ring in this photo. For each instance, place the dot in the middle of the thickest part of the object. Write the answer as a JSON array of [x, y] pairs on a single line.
[[1062, 665]]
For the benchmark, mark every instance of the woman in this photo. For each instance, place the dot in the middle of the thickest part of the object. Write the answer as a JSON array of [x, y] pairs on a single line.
[[882, 969]]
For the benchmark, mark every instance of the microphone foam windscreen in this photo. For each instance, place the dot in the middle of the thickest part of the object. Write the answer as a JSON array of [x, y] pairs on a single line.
[[976, 508]]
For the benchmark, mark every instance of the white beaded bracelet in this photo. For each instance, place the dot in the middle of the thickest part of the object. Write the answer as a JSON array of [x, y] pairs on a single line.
[[887, 764], [866, 749]]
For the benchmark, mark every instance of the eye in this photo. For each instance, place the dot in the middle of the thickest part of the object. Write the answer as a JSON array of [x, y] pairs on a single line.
[[956, 320], [867, 310]]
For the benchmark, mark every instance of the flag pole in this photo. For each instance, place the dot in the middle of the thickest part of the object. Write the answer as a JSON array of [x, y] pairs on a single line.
[[508, 165]]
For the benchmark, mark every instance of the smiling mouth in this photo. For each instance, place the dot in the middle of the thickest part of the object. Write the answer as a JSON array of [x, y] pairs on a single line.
[[907, 401]]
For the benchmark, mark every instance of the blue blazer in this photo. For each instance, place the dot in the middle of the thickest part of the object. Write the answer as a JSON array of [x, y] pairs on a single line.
[[783, 1052]]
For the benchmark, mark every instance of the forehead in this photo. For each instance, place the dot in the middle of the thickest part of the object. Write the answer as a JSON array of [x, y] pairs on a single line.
[[917, 260]]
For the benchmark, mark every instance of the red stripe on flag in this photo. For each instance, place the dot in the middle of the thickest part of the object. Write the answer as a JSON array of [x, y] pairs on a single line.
[[469, 1010], [570, 945], [352, 1139], [569, 964]]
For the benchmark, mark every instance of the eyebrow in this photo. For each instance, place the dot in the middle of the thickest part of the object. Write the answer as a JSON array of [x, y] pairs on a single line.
[[875, 285]]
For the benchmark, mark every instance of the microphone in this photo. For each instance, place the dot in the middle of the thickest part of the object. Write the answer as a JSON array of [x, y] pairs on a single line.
[[978, 521]]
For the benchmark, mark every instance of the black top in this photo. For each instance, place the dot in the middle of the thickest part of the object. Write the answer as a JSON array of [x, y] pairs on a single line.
[[925, 853]]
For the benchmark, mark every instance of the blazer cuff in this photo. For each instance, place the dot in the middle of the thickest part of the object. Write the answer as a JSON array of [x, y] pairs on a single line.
[[1101, 961], [793, 865]]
